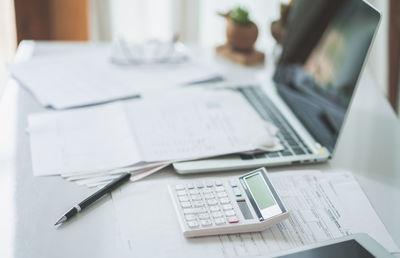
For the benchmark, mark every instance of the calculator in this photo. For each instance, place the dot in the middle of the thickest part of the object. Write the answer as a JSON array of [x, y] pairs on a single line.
[[215, 206]]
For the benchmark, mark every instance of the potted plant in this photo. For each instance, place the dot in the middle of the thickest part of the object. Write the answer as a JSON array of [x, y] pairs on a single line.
[[278, 27], [241, 32]]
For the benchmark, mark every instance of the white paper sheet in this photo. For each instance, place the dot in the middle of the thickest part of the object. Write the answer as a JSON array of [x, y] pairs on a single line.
[[147, 172], [101, 180], [179, 126], [86, 140], [196, 123], [322, 206], [116, 171], [86, 76]]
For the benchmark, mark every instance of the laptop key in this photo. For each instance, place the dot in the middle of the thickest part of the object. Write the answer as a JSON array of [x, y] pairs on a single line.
[[286, 153], [273, 154], [298, 151], [285, 134], [245, 156], [259, 156]]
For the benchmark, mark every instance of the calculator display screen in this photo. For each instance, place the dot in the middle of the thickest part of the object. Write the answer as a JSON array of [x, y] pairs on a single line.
[[260, 191]]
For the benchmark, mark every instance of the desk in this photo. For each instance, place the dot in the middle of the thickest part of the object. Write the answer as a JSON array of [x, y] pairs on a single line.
[[369, 147]]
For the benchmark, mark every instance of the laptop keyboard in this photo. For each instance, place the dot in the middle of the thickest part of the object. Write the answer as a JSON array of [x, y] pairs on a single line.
[[290, 140]]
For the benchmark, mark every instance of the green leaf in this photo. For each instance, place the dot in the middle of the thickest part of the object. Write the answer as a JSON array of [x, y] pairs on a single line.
[[240, 16]]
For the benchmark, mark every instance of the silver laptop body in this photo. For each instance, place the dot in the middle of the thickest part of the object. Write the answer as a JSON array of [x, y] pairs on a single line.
[[312, 88]]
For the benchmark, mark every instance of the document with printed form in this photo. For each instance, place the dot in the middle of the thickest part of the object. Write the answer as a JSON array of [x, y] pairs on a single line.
[[187, 125], [322, 206]]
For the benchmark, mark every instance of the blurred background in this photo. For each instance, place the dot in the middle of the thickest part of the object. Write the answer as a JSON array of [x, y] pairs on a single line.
[[194, 21]]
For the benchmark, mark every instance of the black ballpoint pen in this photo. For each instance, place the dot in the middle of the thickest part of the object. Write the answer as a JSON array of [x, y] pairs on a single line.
[[94, 197]]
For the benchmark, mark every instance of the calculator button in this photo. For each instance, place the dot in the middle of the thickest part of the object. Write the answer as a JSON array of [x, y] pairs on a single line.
[[224, 200], [198, 204], [240, 199], [219, 221], [181, 192], [217, 214], [237, 192], [190, 217], [194, 191], [200, 185], [190, 186], [206, 223], [219, 189], [184, 199], [189, 211], [227, 207], [229, 213], [214, 208], [179, 187], [233, 183], [233, 219], [212, 202], [209, 196], [207, 190], [196, 197], [186, 204], [200, 210], [204, 216], [218, 182], [209, 184], [193, 224], [222, 194]]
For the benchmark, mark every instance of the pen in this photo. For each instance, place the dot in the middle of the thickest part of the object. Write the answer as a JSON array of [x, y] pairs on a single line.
[[93, 198]]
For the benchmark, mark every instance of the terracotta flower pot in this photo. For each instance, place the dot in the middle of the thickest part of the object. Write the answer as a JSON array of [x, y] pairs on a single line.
[[241, 37]]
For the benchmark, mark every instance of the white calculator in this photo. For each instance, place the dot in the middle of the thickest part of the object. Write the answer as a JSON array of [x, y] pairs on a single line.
[[228, 205]]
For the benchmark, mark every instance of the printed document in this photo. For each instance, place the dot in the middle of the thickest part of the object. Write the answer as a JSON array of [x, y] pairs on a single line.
[[87, 76], [187, 125], [322, 206]]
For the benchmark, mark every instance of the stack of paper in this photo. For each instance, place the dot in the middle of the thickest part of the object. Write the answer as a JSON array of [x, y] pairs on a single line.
[[96, 179], [87, 76], [141, 135]]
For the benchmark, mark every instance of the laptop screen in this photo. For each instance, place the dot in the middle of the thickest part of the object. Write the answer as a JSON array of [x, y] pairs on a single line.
[[319, 87]]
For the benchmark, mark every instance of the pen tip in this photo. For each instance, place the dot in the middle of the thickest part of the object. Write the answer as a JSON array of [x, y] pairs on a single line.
[[60, 221]]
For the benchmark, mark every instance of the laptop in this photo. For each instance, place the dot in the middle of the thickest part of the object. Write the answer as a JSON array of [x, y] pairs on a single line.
[[312, 87]]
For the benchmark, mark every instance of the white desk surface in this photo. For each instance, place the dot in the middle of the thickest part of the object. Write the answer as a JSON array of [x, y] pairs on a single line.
[[369, 147]]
